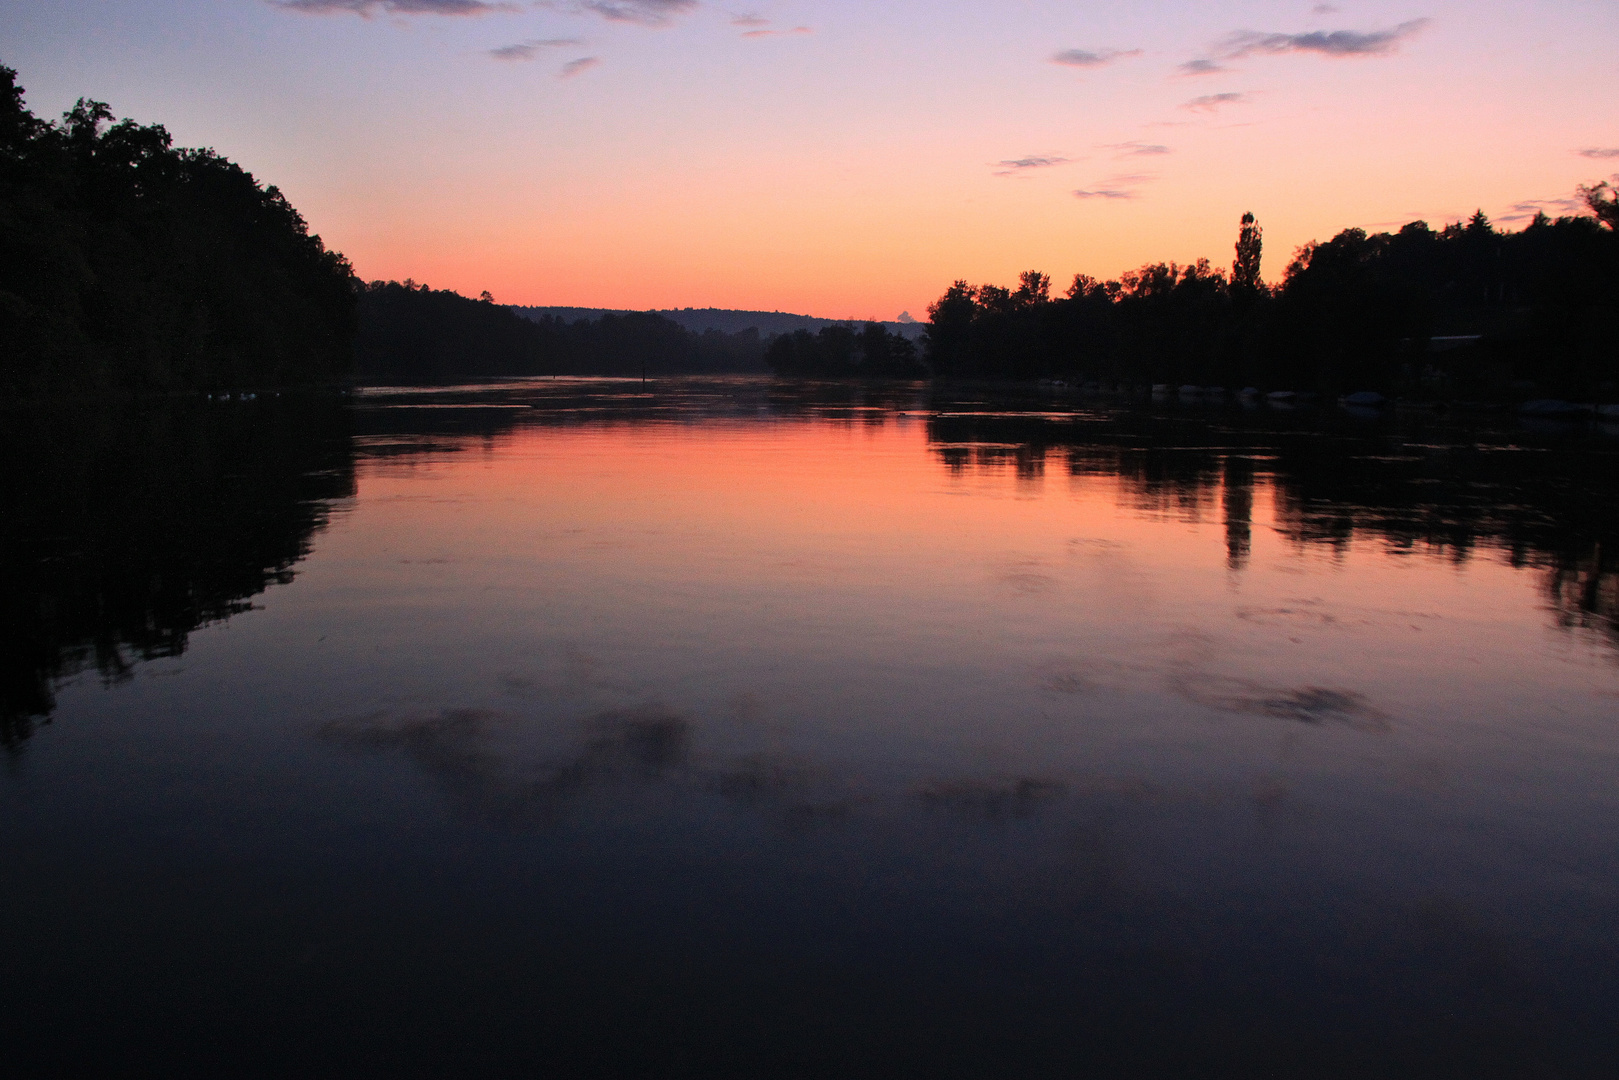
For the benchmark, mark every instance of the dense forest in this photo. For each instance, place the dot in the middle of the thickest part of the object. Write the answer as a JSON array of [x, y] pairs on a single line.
[[128, 263], [1463, 310]]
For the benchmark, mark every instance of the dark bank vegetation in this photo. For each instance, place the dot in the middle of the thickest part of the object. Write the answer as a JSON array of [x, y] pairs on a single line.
[[128, 524], [410, 333], [842, 352], [1466, 310], [769, 324], [127, 263]]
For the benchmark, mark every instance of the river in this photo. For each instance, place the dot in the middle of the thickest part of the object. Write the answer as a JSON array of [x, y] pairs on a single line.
[[719, 727]]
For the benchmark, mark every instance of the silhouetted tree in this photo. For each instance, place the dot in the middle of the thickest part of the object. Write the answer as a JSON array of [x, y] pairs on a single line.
[[1033, 288], [949, 336], [1603, 201], [1250, 246]]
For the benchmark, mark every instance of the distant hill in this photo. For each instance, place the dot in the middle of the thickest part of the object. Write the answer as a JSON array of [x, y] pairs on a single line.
[[698, 320]]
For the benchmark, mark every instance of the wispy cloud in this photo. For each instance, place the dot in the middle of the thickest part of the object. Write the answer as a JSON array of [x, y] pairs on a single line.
[[749, 20], [1091, 58], [643, 12], [578, 67], [1023, 165], [1323, 9], [528, 50], [1527, 209], [1137, 149], [1325, 42], [1599, 152], [1214, 102], [366, 8], [777, 33], [1333, 43], [1119, 186]]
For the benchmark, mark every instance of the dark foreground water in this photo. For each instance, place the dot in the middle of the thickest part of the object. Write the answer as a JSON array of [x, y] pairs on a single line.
[[756, 729]]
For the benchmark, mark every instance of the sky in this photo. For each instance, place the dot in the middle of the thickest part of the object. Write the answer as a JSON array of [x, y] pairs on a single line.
[[846, 159]]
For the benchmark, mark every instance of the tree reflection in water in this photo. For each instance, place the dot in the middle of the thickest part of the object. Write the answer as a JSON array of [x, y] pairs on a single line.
[[1544, 499], [126, 526]]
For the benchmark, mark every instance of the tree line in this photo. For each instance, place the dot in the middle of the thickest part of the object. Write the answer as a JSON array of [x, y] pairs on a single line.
[[410, 333], [1462, 310], [128, 263]]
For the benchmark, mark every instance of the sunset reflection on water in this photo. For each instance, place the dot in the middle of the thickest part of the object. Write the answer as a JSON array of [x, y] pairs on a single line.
[[759, 726]]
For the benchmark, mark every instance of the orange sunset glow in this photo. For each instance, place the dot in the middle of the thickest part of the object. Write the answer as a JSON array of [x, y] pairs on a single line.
[[843, 159]]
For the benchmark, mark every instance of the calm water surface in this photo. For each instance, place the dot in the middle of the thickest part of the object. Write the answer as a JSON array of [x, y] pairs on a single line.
[[762, 729]]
